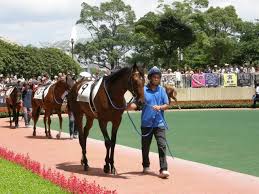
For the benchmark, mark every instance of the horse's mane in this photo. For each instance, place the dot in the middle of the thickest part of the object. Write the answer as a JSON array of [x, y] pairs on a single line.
[[115, 75]]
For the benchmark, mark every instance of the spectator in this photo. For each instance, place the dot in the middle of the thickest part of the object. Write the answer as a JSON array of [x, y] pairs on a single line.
[[256, 96], [178, 78], [27, 107]]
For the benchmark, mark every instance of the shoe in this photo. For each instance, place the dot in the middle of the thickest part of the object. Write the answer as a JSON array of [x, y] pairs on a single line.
[[75, 136], [164, 174], [71, 136], [146, 170]]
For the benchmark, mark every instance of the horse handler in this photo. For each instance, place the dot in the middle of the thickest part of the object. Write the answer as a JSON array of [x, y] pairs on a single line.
[[152, 121], [27, 105]]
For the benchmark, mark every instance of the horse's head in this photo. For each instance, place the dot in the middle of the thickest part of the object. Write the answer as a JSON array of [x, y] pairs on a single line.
[[66, 83], [69, 81], [136, 83]]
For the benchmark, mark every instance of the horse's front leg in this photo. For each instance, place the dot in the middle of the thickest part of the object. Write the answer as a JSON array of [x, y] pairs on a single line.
[[47, 117], [115, 126], [103, 126], [45, 124], [60, 124], [17, 115]]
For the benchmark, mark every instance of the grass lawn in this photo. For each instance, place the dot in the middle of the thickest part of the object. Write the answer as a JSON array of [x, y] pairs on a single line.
[[15, 179], [226, 139]]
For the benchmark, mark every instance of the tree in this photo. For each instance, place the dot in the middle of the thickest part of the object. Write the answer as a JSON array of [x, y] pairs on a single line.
[[110, 26], [248, 47], [30, 61], [163, 35]]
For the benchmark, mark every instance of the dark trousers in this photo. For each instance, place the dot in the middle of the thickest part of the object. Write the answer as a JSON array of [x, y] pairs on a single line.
[[161, 144], [72, 129], [255, 100]]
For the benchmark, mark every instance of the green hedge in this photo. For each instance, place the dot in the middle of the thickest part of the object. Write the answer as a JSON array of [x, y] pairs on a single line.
[[208, 106]]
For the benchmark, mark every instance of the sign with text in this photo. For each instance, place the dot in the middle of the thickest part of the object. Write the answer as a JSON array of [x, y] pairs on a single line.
[[168, 79], [230, 80]]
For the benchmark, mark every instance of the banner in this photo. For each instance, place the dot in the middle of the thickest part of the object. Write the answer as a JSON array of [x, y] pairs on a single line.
[[244, 79], [212, 80], [168, 79], [198, 80], [230, 80]]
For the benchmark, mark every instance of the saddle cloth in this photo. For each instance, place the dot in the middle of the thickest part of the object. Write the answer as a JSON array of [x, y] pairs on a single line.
[[41, 92], [9, 91], [85, 91]]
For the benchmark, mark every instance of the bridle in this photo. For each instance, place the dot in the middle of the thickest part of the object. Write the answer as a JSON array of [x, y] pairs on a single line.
[[53, 93], [130, 83]]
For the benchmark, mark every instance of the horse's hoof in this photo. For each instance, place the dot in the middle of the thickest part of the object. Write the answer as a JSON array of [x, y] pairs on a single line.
[[50, 137], [106, 168], [34, 134], [114, 171], [58, 136], [86, 167]]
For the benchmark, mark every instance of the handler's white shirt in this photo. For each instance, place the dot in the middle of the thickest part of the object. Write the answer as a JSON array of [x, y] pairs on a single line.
[[257, 90]]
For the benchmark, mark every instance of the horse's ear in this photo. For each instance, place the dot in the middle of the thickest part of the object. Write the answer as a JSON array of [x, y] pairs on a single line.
[[135, 67], [144, 66]]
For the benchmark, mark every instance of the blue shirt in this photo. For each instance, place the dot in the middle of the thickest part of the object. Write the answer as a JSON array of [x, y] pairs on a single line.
[[27, 97], [149, 116]]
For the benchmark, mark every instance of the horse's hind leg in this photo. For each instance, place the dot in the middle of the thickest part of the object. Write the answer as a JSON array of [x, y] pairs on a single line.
[[82, 139], [87, 128], [60, 124], [103, 126], [115, 126]]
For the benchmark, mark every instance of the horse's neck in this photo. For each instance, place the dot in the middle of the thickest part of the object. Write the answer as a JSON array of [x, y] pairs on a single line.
[[59, 89], [119, 87]]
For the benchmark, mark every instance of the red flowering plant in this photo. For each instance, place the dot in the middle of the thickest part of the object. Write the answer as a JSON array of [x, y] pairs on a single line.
[[71, 184]]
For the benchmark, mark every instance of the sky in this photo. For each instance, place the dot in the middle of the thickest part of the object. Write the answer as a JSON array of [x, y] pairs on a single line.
[[34, 21]]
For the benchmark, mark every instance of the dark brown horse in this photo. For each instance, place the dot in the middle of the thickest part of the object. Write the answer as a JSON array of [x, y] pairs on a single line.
[[13, 103], [171, 93], [110, 105], [51, 102]]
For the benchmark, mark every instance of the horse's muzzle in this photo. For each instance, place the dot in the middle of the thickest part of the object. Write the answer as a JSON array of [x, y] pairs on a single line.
[[140, 102]]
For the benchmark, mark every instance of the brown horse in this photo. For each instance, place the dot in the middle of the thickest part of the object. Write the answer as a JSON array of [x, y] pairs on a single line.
[[171, 93], [110, 105], [13, 103], [52, 101]]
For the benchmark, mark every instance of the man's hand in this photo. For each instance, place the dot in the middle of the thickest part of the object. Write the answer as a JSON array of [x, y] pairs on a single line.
[[131, 106], [157, 108]]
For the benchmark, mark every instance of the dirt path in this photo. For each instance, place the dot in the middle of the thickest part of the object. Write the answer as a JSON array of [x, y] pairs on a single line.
[[65, 154]]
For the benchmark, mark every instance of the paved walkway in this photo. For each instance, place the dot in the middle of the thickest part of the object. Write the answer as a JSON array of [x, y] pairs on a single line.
[[65, 154]]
